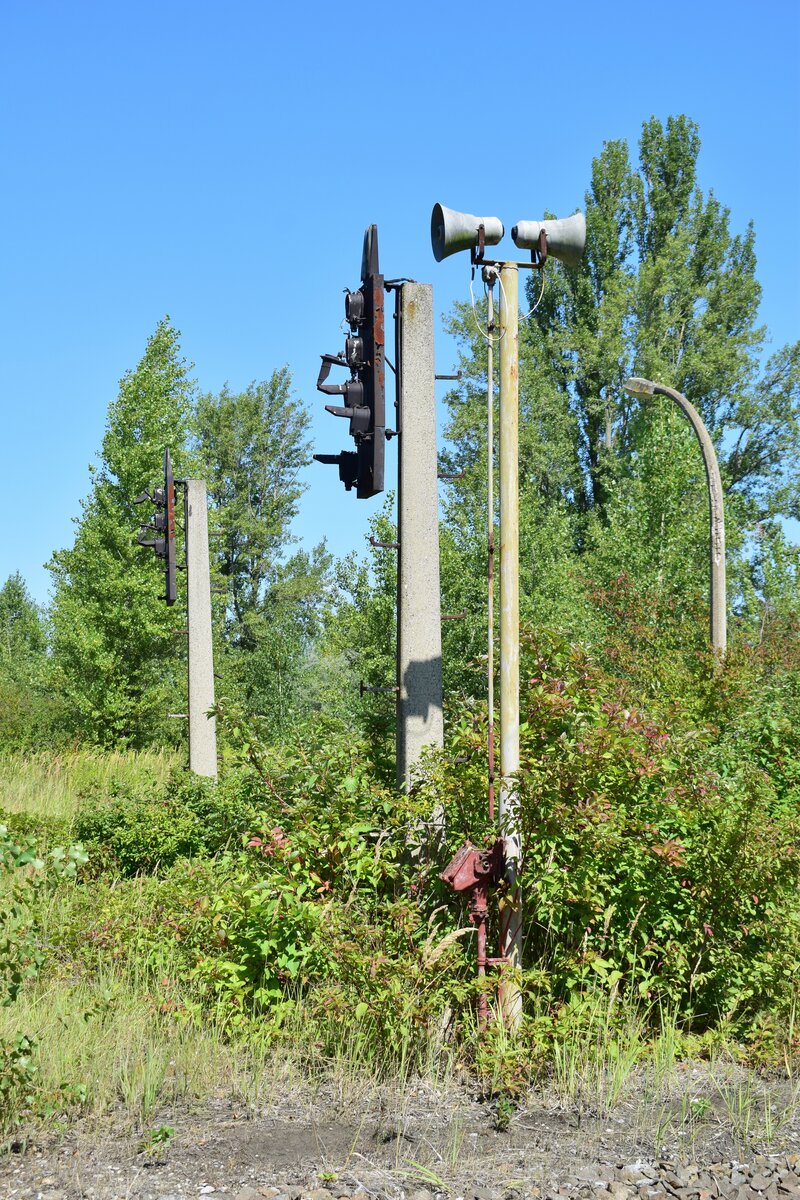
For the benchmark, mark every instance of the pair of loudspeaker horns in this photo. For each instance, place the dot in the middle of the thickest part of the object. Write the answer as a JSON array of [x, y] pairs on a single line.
[[452, 231]]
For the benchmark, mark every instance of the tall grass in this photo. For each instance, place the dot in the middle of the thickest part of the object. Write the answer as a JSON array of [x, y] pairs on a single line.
[[596, 1053], [104, 1044], [52, 787]]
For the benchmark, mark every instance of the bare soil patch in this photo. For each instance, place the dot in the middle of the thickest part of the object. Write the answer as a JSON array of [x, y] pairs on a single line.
[[703, 1136]]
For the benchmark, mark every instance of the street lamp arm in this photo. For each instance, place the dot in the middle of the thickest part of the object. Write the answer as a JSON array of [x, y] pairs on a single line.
[[644, 387], [711, 464]]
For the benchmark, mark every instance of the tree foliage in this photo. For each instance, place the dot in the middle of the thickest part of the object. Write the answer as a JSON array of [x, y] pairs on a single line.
[[29, 709], [612, 484], [253, 446], [113, 644]]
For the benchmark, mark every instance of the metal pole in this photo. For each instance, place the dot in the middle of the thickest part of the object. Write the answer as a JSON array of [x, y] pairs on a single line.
[[202, 728], [511, 947], [419, 631], [718, 619], [718, 626]]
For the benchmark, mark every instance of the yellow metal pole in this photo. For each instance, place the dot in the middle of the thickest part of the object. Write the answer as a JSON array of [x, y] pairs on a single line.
[[511, 947]]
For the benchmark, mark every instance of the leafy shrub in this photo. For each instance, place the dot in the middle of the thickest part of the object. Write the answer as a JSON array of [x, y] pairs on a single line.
[[660, 854], [189, 816], [658, 805], [315, 908]]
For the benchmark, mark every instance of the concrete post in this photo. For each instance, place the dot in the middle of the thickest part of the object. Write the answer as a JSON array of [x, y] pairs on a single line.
[[419, 632], [202, 729], [511, 926]]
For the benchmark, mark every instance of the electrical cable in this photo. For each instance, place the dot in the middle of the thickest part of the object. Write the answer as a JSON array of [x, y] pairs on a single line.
[[531, 311]]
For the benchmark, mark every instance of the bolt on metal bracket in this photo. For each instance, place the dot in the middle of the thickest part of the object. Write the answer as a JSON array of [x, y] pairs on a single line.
[[363, 688]]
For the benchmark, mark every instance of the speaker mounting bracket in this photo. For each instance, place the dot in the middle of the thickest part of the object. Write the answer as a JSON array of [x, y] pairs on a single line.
[[476, 254], [539, 253], [477, 259]]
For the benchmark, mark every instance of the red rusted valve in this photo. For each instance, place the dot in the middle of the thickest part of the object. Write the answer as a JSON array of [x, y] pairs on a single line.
[[475, 871], [472, 867]]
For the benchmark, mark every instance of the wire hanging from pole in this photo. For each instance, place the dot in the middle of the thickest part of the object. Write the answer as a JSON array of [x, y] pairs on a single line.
[[531, 311], [489, 283]]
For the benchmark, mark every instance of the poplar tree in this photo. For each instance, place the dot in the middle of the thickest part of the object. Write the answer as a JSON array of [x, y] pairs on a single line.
[[114, 653], [612, 484]]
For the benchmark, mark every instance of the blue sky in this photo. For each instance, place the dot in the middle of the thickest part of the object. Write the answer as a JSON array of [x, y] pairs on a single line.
[[220, 163]]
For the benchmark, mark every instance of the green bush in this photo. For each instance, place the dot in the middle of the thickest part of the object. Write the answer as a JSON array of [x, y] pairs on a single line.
[[658, 806], [133, 831], [316, 908], [660, 853]]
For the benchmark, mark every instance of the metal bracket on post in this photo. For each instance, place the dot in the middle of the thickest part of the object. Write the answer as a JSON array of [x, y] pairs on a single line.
[[363, 688], [539, 253], [476, 252]]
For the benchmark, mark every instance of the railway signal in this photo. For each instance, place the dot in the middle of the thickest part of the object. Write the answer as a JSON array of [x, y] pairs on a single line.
[[163, 526], [364, 393]]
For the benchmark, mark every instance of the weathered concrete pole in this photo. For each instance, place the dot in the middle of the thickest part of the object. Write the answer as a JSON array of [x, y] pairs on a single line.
[[202, 728], [419, 630], [718, 620], [508, 333]]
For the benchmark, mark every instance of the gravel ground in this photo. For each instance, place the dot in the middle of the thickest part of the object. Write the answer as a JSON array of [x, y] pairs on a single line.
[[700, 1139]]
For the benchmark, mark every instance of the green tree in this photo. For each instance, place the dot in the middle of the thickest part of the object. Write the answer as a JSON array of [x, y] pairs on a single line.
[[113, 644], [28, 707], [23, 633], [253, 446], [608, 483], [612, 488]]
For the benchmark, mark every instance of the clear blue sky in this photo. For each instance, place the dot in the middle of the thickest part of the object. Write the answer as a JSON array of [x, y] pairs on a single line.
[[219, 162]]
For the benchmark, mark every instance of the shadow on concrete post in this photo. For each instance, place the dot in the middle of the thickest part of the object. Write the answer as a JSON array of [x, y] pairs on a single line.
[[419, 634], [420, 707]]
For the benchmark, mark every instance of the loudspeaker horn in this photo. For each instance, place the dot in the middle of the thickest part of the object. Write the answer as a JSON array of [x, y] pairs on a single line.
[[452, 231], [566, 237]]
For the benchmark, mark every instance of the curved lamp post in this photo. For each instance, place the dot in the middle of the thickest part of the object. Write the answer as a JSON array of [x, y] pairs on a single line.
[[718, 622]]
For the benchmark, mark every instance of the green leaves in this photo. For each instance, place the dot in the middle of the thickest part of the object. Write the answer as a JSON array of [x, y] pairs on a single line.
[[613, 486], [113, 652], [26, 879], [659, 810], [253, 446]]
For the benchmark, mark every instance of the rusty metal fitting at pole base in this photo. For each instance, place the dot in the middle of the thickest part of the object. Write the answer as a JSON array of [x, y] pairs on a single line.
[[476, 871], [471, 867]]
